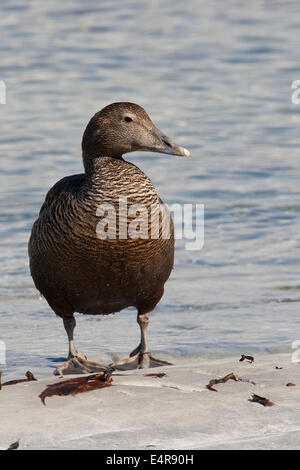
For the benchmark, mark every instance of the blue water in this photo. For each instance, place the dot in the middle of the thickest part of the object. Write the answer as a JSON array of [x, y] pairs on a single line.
[[216, 77]]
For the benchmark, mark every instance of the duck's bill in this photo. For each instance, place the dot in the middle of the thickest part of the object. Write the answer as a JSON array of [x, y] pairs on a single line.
[[165, 145], [174, 150]]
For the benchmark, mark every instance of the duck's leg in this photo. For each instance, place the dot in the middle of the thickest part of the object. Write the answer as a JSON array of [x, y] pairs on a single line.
[[69, 324], [140, 358], [77, 362]]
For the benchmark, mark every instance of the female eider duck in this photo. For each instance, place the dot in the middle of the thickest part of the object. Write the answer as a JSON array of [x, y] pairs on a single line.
[[77, 270]]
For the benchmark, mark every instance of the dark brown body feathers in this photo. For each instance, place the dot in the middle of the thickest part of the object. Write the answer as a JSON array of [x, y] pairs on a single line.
[[75, 270]]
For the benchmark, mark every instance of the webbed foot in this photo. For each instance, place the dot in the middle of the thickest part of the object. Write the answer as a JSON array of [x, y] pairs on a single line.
[[139, 360], [79, 365]]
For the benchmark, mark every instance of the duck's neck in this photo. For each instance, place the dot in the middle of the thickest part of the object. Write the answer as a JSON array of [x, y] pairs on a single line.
[[93, 166]]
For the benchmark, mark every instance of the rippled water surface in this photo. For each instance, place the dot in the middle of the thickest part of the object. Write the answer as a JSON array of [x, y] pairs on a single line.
[[215, 76]]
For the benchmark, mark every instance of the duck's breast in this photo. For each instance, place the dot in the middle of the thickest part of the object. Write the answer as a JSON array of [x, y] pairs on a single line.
[[70, 259]]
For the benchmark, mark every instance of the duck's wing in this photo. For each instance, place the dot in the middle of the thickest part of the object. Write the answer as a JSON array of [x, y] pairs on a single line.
[[68, 184]]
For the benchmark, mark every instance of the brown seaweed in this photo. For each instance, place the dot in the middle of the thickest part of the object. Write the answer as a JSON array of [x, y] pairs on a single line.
[[159, 375], [247, 358], [29, 378], [212, 382], [78, 385], [261, 400], [14, 446]]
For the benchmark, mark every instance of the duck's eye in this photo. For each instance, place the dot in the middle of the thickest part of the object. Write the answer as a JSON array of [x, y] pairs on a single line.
[[128, 119]]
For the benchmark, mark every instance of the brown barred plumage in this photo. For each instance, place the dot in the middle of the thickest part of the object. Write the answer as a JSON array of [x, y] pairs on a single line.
[[74, 269]]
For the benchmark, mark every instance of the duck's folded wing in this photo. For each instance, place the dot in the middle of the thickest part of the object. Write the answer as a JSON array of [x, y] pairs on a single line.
[[68, 184]]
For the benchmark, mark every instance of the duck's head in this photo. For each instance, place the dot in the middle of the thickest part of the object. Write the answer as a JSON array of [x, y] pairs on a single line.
[[125, 127]]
